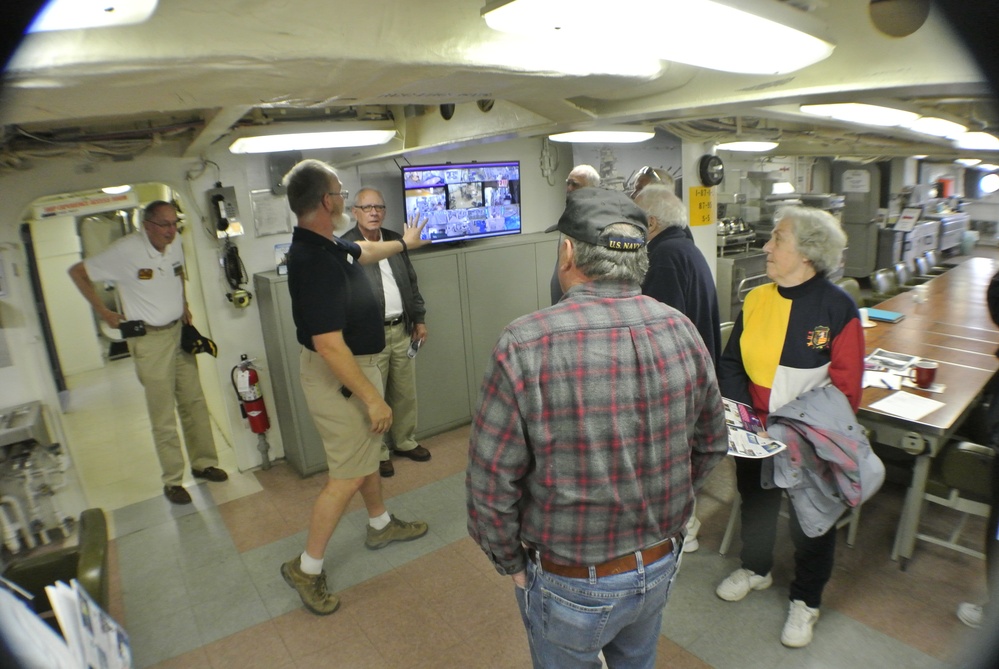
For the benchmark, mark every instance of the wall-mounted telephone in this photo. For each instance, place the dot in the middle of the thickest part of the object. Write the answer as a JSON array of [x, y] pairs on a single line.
[[223, 210]]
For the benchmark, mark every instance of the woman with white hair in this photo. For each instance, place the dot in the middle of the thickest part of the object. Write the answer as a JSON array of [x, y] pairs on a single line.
[[799, 333]]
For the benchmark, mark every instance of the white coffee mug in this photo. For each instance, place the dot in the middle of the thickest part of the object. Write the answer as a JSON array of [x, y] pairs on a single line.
[[865, 317]]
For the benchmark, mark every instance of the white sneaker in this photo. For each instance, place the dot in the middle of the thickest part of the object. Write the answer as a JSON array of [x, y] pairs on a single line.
[[970, 614], [690, 543], [798, 628], [740, 582]]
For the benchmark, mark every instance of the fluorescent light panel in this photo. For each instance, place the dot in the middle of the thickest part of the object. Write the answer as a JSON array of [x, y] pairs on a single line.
[[968, 162], [79, 14], [747, 146], [116, 190], [938, 127], [856, 112], [977, 140], [304, 141], [784, 39], [603, 136]]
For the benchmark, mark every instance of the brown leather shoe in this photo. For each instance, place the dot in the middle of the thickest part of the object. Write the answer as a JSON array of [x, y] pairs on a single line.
[[210, 474], [419, 454], [177, 494], [386, 469]]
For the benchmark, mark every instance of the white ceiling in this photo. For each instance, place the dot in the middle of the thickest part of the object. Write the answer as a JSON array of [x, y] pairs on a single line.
[[196, 69]]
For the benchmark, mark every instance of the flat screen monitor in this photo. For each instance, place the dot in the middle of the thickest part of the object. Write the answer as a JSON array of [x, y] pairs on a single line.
[[464, 200]]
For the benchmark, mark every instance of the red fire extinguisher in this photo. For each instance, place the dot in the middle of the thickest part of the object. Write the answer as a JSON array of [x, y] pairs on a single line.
[[246, 383]]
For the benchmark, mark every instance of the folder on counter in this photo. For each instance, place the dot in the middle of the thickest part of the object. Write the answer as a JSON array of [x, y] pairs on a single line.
[[885, 316]]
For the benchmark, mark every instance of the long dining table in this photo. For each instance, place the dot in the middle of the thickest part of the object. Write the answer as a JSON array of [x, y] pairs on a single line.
[[953, 327]]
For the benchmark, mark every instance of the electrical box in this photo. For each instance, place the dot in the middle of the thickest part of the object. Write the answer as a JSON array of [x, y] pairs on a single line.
[[278, 165], [223, 211]]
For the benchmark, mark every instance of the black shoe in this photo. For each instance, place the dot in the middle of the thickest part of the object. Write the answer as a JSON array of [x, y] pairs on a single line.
[[211, 474], [386, 469], [177, 494], [419, 454]]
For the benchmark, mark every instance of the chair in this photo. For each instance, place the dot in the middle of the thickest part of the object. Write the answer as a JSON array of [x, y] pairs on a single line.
[[935, 262], [87, 562], [884, 285], [960, 479], [935, 268], [923, 269], [906, 279], [726, 332], [852, 288]]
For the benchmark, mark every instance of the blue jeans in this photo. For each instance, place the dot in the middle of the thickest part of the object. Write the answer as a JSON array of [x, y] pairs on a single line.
[[570, 620]]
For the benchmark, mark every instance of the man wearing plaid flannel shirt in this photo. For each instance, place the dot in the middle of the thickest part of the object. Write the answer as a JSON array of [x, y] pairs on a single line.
[[599, 419]]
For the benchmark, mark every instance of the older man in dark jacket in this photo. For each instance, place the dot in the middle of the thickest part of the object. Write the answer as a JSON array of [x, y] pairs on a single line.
[[394, 283]]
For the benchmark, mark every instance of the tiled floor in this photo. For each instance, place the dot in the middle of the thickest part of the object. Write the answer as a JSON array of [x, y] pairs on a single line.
[[198, 586]]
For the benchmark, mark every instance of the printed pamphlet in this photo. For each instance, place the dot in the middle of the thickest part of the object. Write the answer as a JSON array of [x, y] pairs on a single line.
[[747, 436], [281, 258], [91, 634]]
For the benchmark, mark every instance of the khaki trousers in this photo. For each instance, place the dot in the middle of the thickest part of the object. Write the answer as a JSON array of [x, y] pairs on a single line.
[[169, 377], [399, 379], [343, 425]]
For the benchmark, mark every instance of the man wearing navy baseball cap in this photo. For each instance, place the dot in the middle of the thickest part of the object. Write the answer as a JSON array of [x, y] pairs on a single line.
[[599, 419]]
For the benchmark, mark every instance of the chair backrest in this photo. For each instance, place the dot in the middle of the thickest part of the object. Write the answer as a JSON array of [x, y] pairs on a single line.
[[966, 467], [726, 332], [884, 282], [93, 571], [922, 265], [850, 285], [902, 273], [931, 258]]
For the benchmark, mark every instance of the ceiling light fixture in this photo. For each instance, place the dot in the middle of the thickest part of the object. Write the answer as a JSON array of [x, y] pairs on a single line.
[[79, 14], [987, 167], [857, 112], [938, 127], [747, 146], [116, 190], [785, 38], [307, 136], [968, 162], [603, 136], [977, 140]]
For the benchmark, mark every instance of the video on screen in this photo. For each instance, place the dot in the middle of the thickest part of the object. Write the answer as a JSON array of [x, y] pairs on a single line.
[[464, 201]]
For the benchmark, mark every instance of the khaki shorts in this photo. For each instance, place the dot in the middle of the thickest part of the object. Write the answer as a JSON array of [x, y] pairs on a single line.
[[352, 449]]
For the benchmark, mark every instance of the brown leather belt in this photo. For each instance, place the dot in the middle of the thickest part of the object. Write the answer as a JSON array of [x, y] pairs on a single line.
[[157, 328], [618, 565]]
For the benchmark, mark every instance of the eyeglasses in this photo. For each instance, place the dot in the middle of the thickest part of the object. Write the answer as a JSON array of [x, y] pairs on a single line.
[[368, 208], [343, 193], [165, 225]]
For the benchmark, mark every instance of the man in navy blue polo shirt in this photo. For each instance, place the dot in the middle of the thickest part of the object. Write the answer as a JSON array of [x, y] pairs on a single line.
[[339, 325]]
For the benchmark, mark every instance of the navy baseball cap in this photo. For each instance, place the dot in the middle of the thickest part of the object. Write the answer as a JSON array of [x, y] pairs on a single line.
[[589, 210]]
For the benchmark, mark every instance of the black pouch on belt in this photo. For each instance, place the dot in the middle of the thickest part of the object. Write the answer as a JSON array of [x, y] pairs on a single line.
[[132, 329]]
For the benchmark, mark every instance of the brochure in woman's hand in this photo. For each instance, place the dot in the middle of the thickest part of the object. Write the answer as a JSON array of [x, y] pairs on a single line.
[[747, 436]]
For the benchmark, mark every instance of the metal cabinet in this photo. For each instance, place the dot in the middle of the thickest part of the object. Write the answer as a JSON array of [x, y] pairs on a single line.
[[861, 250], [737, 275], [923, 237], [952, 227], [890, 242], [302, 445]]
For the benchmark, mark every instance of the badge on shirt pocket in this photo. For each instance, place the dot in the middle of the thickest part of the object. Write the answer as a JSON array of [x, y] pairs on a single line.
[[145, 274], [178, 270]]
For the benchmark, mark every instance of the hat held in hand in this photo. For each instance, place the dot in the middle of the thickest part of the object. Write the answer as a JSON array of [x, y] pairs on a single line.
[[194, 342]]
